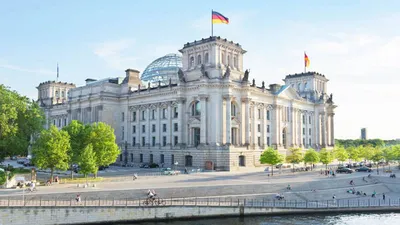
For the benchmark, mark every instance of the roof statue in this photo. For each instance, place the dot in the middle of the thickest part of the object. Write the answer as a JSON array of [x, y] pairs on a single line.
[[181, 76], [246, 75], [227, 73], [263, 85], [330, 99], [204, 72]]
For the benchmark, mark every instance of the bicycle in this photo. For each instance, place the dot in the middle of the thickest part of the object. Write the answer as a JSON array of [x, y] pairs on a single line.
[[159, 201], [31, 190]]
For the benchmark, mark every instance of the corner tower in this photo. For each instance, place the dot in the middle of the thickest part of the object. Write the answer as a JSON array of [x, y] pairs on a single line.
[[52, 93], [216, 54], [310, 85]]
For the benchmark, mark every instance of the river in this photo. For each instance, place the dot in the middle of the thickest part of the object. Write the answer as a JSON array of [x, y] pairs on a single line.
[[330, 219]]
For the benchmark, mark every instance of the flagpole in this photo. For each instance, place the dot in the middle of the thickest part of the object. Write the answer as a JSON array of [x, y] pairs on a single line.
[[212, 25]]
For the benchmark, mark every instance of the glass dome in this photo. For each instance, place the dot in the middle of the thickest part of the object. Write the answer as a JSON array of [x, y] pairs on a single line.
[[162, 69]]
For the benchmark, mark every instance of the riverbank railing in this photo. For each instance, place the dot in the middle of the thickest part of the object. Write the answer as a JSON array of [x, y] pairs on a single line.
[[207, 202]]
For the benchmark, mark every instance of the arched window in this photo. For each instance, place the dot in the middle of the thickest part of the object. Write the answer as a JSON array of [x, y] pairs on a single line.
[[196, 109], [191, 63], [229, 60], [223, 58], [233, 109], [198, 59], [206, 58], [284, 137]]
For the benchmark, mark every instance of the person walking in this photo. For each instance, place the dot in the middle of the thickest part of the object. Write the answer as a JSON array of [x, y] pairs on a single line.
[[384, 196]]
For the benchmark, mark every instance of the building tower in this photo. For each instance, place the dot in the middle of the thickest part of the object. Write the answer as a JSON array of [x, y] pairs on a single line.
[[364, 133]]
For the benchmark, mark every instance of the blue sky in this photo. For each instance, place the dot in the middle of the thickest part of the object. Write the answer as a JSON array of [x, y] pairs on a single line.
[[354, 43]]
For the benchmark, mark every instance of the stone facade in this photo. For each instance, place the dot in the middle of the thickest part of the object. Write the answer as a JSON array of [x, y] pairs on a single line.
[[212, 118]]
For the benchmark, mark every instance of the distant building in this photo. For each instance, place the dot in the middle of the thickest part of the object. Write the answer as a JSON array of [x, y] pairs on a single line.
[[364, 133]]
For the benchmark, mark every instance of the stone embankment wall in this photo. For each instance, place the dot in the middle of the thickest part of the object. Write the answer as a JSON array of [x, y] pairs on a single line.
[[92, 215]]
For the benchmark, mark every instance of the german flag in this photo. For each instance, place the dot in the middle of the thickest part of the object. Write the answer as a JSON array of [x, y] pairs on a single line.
[[219, 18], [306, 60]]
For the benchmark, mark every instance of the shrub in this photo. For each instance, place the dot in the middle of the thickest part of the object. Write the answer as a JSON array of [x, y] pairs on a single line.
[[153, 165], [2, 178]]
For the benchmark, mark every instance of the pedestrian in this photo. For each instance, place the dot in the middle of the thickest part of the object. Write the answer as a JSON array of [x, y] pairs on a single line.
[[78, 198], [334, 197], [384, 196]]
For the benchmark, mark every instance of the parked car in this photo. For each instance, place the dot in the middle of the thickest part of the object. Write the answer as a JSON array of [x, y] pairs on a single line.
[[20, 161], [14, 158], [344, 170], [28, 163], [144, 165], [364, 169], [103, 167], [278, 166]]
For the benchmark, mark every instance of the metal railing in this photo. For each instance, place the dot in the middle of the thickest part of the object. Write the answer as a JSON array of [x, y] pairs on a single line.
[[211, 202]]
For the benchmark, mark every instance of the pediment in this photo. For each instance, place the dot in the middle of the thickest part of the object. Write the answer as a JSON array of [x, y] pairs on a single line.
[[194, 120], [288, 92]]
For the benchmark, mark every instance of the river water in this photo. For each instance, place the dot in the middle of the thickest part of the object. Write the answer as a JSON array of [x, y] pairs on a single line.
[[338, 219]]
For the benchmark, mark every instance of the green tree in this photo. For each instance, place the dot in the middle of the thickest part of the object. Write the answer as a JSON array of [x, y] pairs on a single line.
[[78, 138], [389, 154], [50, 151], [355, 153], [87, 161], [326, 157], [20, 120], [271, 157], [311, 157], [377, 156], [368, 152], [295, 157], [102, 138], [341, 154]]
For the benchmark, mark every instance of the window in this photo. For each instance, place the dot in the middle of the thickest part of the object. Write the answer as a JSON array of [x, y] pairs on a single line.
[[304, 131], [175, 127], [229, 60], [198, 59], [259, 113], [309, 119], [191, 63], [298, 86], [164, 127], [134, 129], [62, 94], [143, 141], [153, 128], [133, 141], [164, 141], [259, 127], [151, 158], [206, 58], [57, 94], [134, 116], [188, 160], [144, 128], [196, 136], [172, 159], [143, 115], [131, 157], [123, 116], [309, 131], [141, 158], [304, 141], [268, 141], [267, 128], [175, 112], [284, 137], [59, 122], [305, 86], [65, 122], [164, 113], [233, 109], [153, 114], [268, 115], [259, 141], [153, 141], [162, 158], [123, 132], [235, 61], [304, 119], [223, 58], [175, 140], [196, 109], [309, 141], [120, 157]]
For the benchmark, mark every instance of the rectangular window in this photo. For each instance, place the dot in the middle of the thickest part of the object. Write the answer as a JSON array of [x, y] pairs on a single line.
[[175, 140], [259, 141], [304, 141], [123, 132], [151, 158], [172, 160], [309, 119], [164, 113], [268, 116], [153, 141], [141, 157], [175, 112], [134, 129], [164, 141], [309, 141], [133, 141], [131, 157], [259, 113], [304, 131], [120, 157], [259, 127], [267, 128], [65, 122], [153, 114], [134, 116], [304, 119], [143, 114], [162, 158], [144, 128], [175, 127], [309, 131], [153, 128], [164, 127], [59, 122], [143, 141], [268, 141], [123, 116]]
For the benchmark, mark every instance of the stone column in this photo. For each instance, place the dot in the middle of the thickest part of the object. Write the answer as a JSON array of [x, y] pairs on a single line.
[[181, 121], [264, 126], [148, 127], [159, 138], [274, 126], [246, 120], [332, 133], [203, 125], [254, 126], [293, 125], [323, 129], [169, 125], [228, 99]]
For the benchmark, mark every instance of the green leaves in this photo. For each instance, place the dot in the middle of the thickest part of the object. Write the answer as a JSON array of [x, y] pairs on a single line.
[[271, 157], [295, 157], [326, 156], [341, 154], [311, 156], [87, 161]]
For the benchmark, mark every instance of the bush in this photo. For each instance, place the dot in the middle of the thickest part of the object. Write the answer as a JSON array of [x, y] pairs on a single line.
[[2, 178], [153, 165]]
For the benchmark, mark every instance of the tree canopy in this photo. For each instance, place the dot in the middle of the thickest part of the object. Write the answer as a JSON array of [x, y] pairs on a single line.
[[87, 164], [311, 156], [271, 157], [50, 151], [295, 157], [326, 156], [341, 154]]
